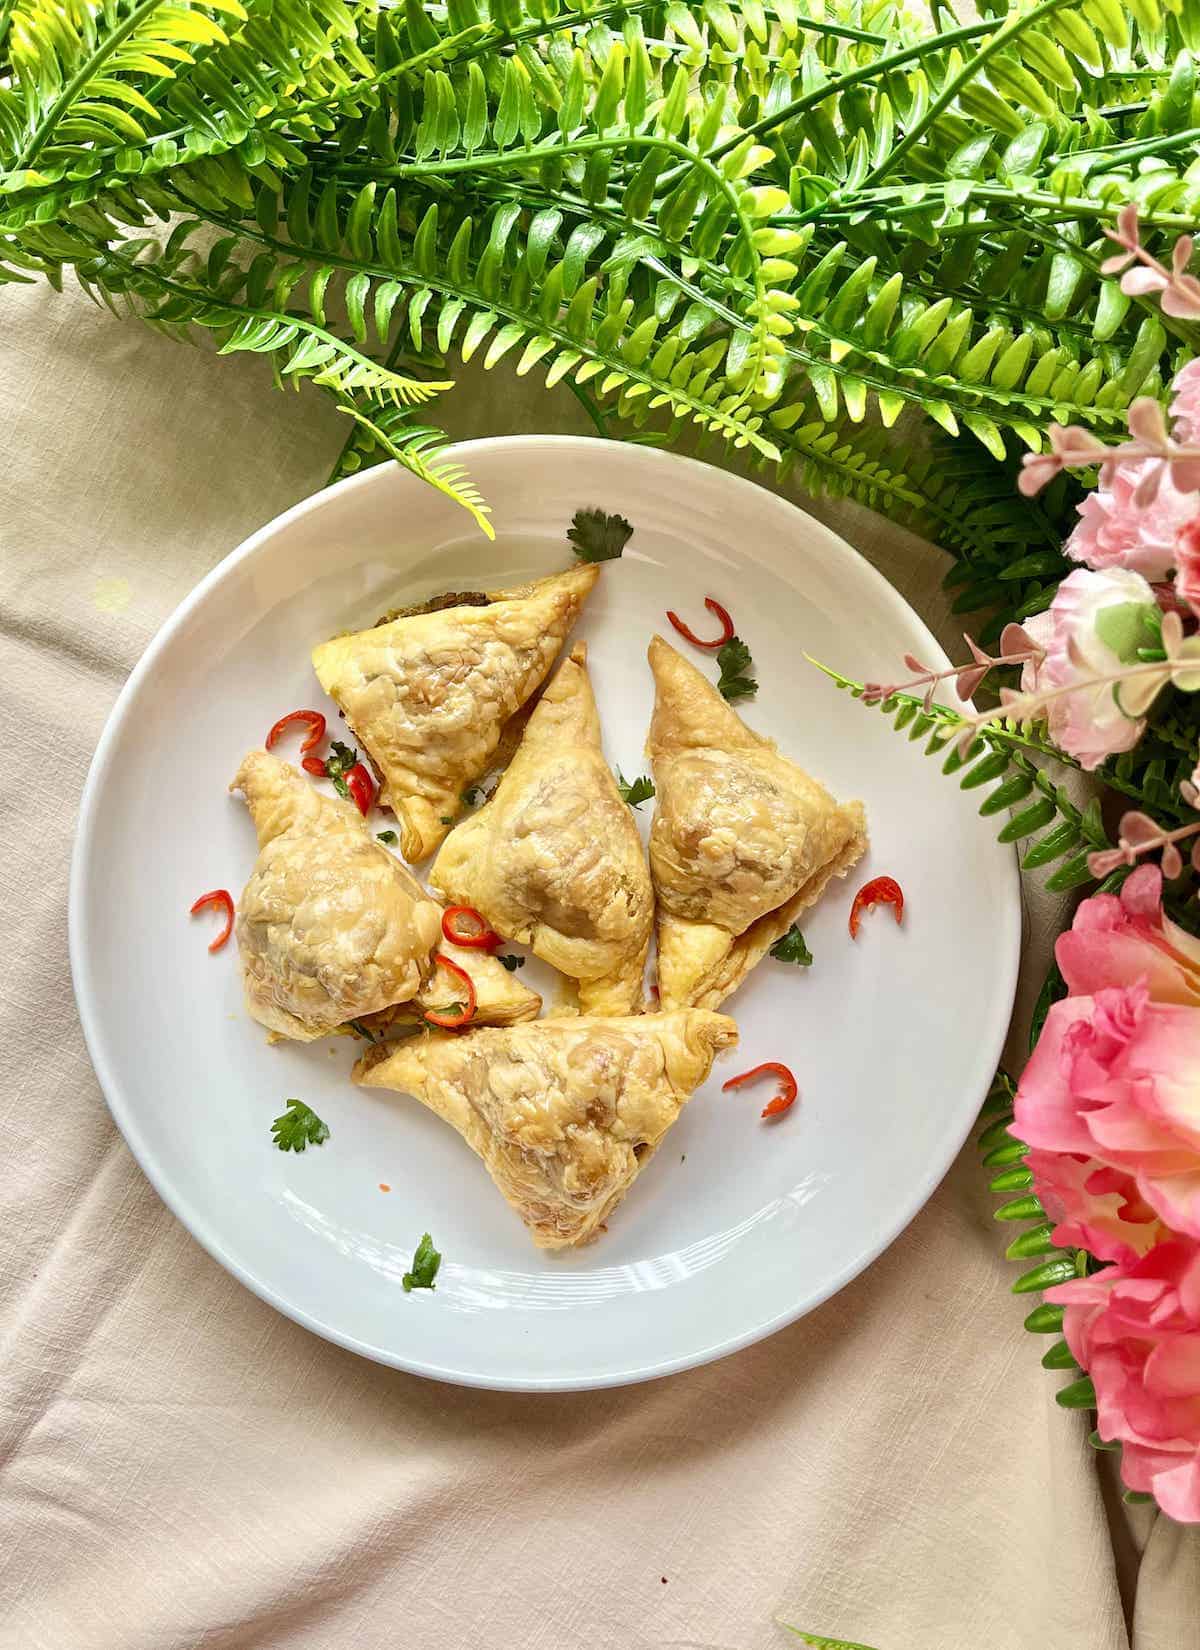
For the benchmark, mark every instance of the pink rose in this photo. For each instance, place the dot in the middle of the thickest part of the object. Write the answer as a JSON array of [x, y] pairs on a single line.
[[1187, 564], [1089, 723], [1119, 939], [1113, 531], [1093, 1207], [1116, 1077], [1135, 1328]]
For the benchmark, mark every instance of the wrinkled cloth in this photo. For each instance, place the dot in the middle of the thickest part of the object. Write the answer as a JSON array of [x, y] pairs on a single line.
[[183, 1469]]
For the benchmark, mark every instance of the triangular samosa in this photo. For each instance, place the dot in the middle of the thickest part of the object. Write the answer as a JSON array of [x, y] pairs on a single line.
[[554, 858], [428, 695], [742, 842], [330, 926], [564, 1113]]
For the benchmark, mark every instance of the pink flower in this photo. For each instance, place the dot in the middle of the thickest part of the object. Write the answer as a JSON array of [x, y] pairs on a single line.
[[1135, 1328], [1185, 409], [1113, 531], [1121, 939], [1187, 562], [1093, 1207], [1116, 1077], [1090, 723]]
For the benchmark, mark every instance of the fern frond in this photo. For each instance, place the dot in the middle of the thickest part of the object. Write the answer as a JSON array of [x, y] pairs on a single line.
[[420, 450]]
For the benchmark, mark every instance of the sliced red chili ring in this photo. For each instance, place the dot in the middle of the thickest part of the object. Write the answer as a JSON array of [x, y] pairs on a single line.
[[727, 632], [452, 1022], [311, 719], [479, 938], [222, 898], [361, 787], [787, 1089], [879, 891], [314, 765]]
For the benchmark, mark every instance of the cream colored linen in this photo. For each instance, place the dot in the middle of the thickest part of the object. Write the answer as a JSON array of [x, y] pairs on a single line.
[[183, 1469]]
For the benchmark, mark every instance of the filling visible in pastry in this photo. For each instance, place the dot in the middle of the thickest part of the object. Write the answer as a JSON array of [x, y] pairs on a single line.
[[564, 1113], [330, 927], [500, 998], [743, 840], [554, 859], [428, 695]]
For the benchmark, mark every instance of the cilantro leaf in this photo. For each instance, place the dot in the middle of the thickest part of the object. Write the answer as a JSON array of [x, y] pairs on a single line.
[[511, 961], [389, 837], [425, 1265], [641, 790], [360, 1030], [471, 795], [298, 1128], [340, 760], [792, 948], [735, 661], [597, 536]]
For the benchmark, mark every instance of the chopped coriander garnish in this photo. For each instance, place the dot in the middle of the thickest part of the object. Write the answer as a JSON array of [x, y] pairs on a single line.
[[340, 760], [641, 790], [597, 536], [471, 795], [360, 1030], [298, 1128], [389, 837], [446, 819], [511, 961], [426, 1261], [735, 661], [792, 949]]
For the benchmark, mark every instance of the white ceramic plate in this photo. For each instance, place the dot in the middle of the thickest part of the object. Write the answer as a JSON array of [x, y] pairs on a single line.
[[738, 1226]]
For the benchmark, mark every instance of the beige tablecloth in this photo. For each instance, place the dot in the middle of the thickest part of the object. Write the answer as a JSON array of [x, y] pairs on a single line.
[[181, 1467]]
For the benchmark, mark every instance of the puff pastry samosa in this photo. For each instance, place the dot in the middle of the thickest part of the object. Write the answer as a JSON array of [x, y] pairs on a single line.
[[564, 1113], [554, 859], [330, 926], [742, 842], [500, 998], [428, 696]]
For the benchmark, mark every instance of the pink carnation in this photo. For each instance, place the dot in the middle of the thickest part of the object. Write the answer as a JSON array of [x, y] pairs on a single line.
[[1088, 723], [1135, 1328], [1187, 563], [1113, 531], [1116, 1077], [1119, 939]]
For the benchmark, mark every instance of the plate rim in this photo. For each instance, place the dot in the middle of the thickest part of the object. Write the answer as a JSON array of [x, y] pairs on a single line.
[[1007, 950]]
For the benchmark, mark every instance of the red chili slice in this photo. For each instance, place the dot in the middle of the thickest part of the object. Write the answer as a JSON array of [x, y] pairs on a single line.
[[361, 787], [479, 938], [727, 634], [311, 719], [787, 1090], [224, 899], [879, 891], [452, 1022], [314, 765]]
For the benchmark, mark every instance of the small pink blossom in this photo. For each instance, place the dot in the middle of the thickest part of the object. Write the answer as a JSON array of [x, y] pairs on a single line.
[[1114, 530], [1135, 1327], [1116, 1078], [1187, 563], [1089, 724]]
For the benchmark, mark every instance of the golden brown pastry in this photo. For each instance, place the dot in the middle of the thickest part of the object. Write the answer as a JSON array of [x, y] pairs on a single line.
[[428, 695], [330, 926], [742, 842], [554, 859], [500, 998], [564, 1113]]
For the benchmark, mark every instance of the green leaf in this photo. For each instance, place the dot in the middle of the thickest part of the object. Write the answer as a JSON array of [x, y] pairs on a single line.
[[735, 664], [791, 948], [1079, 1394], [298, 1128], [425, 1264], [641, 790], [597, 536]]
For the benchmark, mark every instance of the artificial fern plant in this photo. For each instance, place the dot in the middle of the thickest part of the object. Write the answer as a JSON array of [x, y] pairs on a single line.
[[783, 223]]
